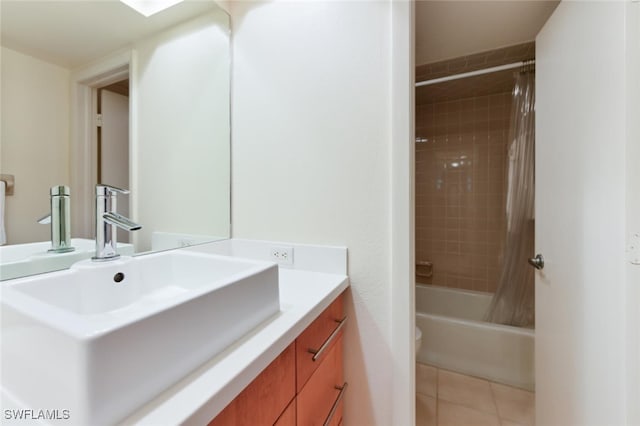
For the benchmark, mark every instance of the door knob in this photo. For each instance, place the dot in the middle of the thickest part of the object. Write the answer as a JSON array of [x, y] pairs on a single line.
[[537, 262]]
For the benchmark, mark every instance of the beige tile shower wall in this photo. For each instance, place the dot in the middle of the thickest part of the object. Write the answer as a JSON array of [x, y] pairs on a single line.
[[461, 162]]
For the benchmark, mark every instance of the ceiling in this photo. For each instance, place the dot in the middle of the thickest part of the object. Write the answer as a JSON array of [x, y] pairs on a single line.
[[76, 32], [452, 28], [73, 33]]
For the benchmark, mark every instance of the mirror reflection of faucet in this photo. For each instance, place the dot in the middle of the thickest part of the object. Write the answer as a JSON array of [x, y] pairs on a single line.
[[107, 222], [60, 219]]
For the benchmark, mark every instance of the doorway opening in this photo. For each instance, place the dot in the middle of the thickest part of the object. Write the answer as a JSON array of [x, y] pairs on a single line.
[[112, 141], [474, 210], [474, 222], [88, 89]]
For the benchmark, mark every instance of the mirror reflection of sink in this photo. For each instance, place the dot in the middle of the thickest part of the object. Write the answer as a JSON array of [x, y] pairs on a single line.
[[101, 339], [20, 260]]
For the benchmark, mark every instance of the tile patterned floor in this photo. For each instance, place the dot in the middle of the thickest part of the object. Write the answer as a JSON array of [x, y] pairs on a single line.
[[445, 398]]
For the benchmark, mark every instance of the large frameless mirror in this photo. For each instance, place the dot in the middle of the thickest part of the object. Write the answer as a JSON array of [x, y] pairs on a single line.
[[94, 92]]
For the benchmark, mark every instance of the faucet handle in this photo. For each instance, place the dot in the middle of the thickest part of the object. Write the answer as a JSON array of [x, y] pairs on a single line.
[[108, 190]]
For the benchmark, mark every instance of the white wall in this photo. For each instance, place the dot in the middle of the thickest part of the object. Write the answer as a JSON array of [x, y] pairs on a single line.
[[633, 209], [180, 140], [34, 145], [312, 147]]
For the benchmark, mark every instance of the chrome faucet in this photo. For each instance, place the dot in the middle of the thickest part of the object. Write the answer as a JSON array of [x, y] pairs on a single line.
[[107, 222], [60, 219]]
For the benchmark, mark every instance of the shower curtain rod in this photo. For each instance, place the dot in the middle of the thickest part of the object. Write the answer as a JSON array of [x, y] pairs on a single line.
[[474, 73]]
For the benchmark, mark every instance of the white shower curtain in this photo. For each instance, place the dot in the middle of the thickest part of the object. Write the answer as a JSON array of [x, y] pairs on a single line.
[[513, 302]]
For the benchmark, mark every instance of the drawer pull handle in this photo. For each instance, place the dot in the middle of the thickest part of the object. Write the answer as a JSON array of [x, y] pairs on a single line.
[[317, 353], [334, 408]]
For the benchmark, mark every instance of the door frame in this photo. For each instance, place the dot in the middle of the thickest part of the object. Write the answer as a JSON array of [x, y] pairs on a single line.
[[402, 196], [83, 138]]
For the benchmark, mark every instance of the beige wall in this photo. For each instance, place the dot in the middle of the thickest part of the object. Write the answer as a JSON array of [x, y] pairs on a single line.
[[460, 190], [35, 140]]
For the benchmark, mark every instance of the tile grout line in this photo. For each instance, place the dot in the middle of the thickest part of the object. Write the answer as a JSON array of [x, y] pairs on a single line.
[[492, 389], [495, 402], [437, 396]]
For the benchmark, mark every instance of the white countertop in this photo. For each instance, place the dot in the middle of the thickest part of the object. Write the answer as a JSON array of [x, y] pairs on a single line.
[[199, 397]]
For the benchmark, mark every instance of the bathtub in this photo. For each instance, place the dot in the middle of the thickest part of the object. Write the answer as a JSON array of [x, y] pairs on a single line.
[[455, 337]]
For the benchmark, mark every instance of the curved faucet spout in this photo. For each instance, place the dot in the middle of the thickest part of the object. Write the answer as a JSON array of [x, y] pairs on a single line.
[[121, 221], [45, 220]]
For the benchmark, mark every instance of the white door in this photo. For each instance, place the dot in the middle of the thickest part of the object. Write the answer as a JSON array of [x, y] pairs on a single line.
[[580, 216], [114, 148]]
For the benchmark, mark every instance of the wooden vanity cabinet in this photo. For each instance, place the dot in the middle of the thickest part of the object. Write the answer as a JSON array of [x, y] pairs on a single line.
[[303, 386], [262, 402], [317, 398], [288, 417], [320, 331]]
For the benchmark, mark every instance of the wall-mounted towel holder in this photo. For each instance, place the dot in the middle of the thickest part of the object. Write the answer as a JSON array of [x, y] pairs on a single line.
[[9, 182]]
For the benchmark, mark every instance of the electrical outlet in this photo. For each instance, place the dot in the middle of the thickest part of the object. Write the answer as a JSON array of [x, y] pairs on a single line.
[[281, 254], [186, 243]]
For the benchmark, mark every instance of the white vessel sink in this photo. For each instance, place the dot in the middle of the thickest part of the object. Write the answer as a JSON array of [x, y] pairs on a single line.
[[19, 260], [101, 339]]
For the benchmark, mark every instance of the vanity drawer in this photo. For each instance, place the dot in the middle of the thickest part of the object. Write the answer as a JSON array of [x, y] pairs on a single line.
[[288, 418], [316, 340], [321, 398], [266, 397]]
